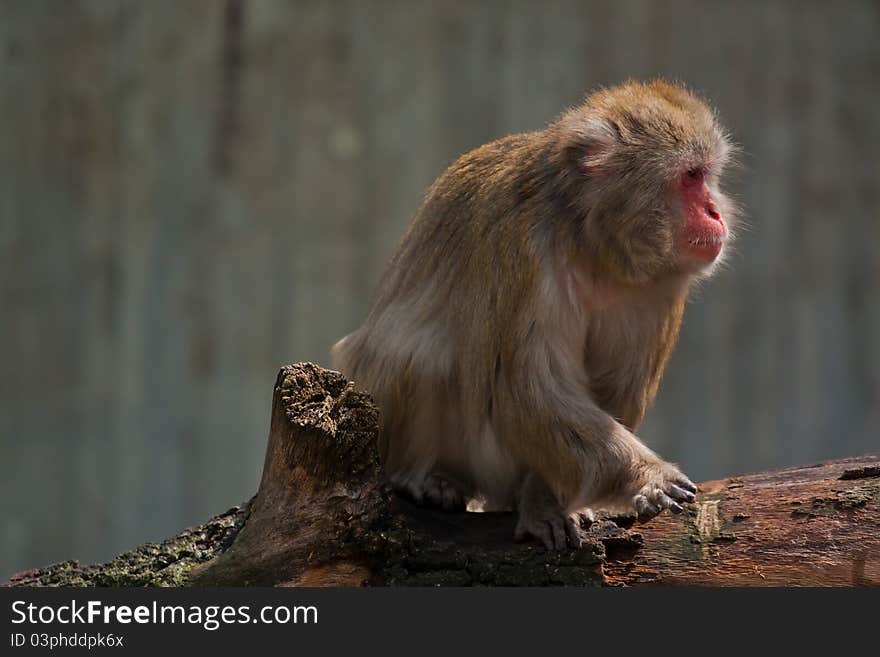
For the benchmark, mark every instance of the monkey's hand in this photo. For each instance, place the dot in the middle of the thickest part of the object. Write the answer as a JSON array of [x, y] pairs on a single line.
[[541, 516], [663, 486]]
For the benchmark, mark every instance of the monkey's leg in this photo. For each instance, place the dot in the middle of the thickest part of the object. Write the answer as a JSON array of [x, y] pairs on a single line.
[[423, 452]]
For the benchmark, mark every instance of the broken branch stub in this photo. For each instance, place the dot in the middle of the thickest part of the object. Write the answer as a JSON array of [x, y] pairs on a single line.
[[322, 499]]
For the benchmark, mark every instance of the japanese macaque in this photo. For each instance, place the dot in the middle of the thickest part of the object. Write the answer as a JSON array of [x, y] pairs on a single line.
[[520, 331]]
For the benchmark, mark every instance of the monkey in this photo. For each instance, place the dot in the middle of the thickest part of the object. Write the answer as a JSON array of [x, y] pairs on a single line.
[[520, 330]]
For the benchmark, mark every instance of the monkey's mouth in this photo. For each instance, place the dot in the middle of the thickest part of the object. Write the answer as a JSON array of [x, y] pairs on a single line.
[[705, 247], [703, 234]]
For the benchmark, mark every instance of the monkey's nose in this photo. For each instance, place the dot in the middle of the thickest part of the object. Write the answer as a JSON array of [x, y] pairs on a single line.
[[712, 211]]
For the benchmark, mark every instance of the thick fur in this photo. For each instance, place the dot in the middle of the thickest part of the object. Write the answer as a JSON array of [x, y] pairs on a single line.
[[520, 331]]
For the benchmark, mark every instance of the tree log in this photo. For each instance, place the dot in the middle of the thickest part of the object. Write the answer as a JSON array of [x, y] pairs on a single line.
[[324, 515]]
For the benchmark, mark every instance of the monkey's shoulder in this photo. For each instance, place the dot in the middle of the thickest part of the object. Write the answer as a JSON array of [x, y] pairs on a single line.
[[492, 180], [496, 157]]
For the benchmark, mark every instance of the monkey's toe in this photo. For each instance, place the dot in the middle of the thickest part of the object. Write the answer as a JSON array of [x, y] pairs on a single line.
[[542, 517], [441, 492], [687, 484], [555, 533], [677, 493], [645, 508]]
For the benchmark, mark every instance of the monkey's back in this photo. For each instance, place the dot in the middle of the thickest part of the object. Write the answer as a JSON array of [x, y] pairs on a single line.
[[448, 306]]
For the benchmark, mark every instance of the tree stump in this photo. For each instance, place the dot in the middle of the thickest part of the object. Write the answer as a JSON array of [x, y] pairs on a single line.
[[324, 515]]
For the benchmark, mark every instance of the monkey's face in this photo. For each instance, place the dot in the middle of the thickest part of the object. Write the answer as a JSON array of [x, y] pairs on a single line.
[[701, 226], [653, 155], [665, 217]]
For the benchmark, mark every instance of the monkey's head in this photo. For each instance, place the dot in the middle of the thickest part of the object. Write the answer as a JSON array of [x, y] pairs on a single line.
[[643, 161]]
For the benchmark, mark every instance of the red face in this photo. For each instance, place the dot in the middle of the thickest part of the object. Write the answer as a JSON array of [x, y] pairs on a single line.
[[703, 231]]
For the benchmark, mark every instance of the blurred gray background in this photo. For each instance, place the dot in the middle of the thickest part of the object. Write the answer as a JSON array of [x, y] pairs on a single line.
[[193, 193]]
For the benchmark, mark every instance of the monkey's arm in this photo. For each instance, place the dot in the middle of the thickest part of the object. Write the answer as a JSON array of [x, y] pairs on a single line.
[[578, 456]]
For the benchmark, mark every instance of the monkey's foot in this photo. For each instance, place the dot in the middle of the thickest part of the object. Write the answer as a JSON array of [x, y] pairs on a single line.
[[666, 487], [438, 491], [542, 517]]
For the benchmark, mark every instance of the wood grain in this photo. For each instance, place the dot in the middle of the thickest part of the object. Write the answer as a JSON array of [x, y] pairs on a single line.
[[816, 525]]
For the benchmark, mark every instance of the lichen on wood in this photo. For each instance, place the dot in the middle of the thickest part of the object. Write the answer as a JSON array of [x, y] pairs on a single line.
[[167, 563]]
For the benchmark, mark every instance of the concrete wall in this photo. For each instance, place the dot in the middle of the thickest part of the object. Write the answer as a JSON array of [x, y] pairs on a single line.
[[193, 193]]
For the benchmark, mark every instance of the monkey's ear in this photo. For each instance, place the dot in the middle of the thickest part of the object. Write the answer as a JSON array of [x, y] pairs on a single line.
[[590, 142]]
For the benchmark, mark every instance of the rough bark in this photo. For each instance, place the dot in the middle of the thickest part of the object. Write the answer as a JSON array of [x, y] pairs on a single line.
[[323, 502], [325, 516], [816, 525]]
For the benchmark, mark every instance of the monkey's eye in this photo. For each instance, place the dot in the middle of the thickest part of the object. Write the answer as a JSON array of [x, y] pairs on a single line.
[[693, 176]]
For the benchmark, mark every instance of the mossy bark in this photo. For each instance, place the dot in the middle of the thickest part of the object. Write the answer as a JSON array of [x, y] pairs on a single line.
[[168, 563]]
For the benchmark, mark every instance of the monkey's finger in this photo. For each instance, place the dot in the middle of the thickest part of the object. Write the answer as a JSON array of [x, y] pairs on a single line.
[[644, 508], [574, 537], [539, 530], [667, 502], [559, 534], [687, 484], [583, 518], [545, 535], [452, 501], [542, 533], [680, 494]]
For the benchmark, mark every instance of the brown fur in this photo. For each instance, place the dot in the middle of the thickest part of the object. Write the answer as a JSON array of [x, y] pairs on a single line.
[[520, 331]]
